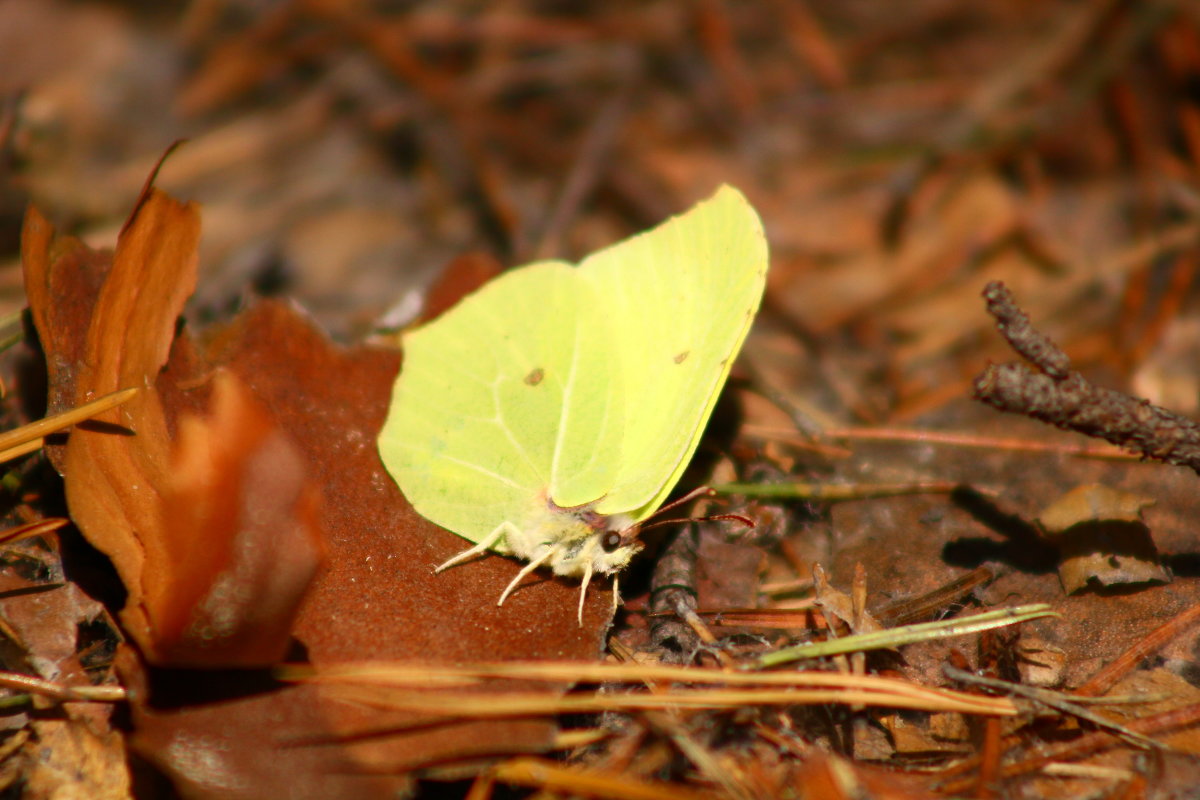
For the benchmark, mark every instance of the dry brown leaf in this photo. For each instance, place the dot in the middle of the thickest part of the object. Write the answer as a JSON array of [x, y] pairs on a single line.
[[205, 585], [244, 542], [272, 379], [1102, 539], [332, 402], [114, 482], [62, 279], [377, 598], [1092, 503], [66, 760]]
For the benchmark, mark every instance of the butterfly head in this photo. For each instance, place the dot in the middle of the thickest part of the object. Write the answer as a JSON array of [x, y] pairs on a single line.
[[606, 548]]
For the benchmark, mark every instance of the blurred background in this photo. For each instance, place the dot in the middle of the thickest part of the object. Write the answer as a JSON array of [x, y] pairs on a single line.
[[351, 154], [343, 153]]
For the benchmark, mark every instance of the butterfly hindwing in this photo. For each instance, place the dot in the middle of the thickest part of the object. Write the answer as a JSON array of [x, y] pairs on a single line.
[[509, 391]]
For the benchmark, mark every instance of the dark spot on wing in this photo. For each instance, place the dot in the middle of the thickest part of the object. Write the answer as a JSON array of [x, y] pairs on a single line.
[[535, 376], [682, 357]]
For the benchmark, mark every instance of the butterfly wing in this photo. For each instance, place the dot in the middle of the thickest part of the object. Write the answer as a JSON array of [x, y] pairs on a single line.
[[681, 297], [577, 384], [504, 400]]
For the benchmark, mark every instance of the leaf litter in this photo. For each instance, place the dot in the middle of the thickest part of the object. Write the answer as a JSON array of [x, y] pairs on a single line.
[[249, 525]]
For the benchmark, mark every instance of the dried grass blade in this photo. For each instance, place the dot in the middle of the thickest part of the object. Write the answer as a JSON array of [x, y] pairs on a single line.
[[29, 437]]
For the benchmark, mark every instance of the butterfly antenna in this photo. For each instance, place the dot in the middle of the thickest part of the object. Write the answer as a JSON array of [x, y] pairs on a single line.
[[749, 523], [703, 491]]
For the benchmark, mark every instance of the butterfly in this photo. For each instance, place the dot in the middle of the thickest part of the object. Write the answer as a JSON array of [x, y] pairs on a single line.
[[550, 412]]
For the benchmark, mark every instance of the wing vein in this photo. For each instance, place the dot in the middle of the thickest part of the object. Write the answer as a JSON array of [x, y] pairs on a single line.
[[489, 473]]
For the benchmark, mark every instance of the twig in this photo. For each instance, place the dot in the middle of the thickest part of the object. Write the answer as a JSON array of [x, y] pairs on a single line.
[[913, 609], [28, 438], [59, 692], [1053, 700], [1064, 398], [1015, 327], [673, 591]]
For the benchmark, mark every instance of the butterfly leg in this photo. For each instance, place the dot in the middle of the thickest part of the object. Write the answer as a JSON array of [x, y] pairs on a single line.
[[525, 570], [485, 544], [587, 577]]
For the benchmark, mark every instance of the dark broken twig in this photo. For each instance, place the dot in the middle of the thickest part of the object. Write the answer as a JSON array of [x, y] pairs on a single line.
[[673, 590], [1056, 394]]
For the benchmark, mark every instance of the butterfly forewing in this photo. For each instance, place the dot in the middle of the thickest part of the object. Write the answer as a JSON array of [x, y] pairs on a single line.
[[682, 297]]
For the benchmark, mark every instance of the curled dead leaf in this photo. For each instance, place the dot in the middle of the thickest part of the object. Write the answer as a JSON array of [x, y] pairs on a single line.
[[1102, 539], [1092, 503], [190, 557], [241, 539]]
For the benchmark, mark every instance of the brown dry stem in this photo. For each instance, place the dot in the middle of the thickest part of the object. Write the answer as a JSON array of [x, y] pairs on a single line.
[[1056, 394]]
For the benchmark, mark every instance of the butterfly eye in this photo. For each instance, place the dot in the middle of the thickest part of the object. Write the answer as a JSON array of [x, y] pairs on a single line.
[[610, 542]]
